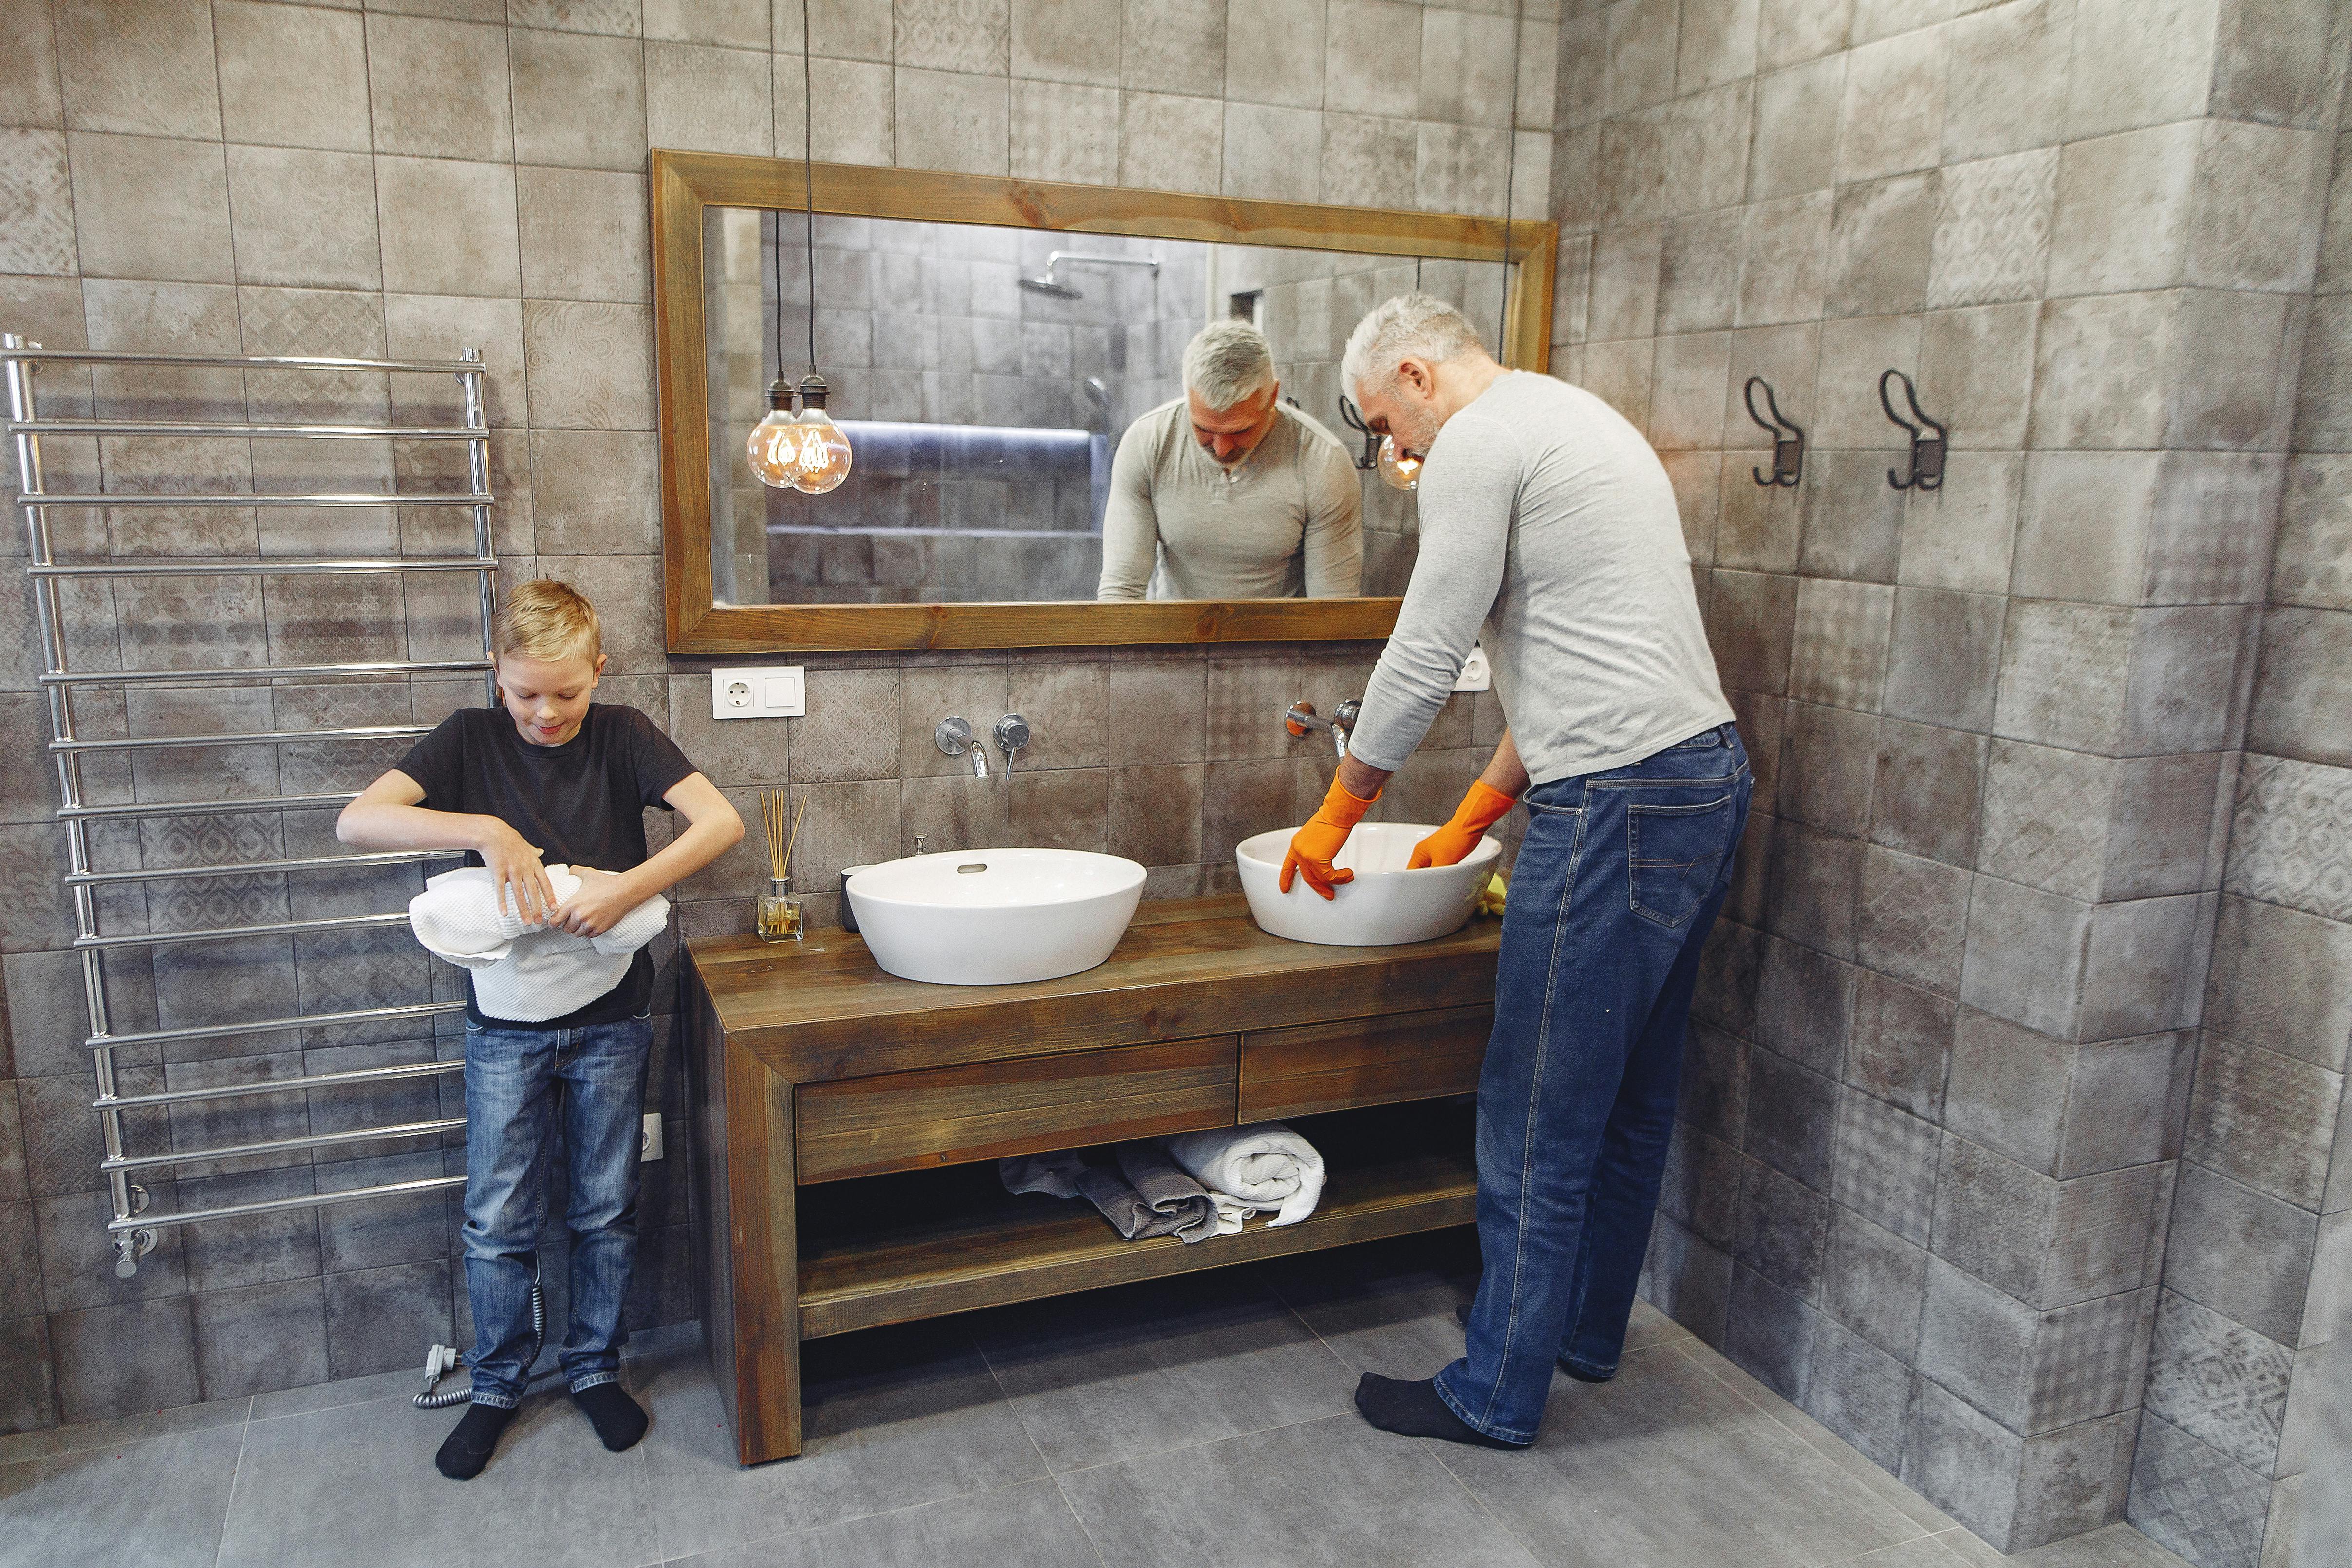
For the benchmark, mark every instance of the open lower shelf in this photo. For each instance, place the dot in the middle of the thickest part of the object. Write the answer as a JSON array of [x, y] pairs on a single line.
[[891, 1249]]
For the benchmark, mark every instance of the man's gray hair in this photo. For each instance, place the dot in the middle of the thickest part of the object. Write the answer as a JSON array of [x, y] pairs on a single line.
[[1226, 363], [1409, 326]]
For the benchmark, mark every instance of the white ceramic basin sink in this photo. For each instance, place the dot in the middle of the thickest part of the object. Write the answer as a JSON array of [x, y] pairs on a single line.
[[1385, 905], [994, 917]]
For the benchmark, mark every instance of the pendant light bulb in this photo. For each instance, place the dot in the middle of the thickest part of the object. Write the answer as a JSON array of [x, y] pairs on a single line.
[[774, 450], [824, 455], [1400, 472]]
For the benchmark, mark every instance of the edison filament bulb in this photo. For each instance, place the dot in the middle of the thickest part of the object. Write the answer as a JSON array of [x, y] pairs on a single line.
[[824, 455], [774, 450], [1401, 472]]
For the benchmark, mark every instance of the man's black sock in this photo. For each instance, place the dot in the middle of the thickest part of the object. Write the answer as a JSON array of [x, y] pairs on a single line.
[[1462, 1316], [1413, 1409], [618, 1421], [467, 1448]]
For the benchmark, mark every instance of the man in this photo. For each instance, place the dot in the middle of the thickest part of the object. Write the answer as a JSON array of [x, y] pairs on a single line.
[[1545, 515], [1229, 493]]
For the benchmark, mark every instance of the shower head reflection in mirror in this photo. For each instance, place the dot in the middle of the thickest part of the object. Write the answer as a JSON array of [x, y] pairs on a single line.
[[986, 376]]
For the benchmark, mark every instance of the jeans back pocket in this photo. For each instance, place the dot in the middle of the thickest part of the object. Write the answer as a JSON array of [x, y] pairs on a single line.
[[1674, 854]]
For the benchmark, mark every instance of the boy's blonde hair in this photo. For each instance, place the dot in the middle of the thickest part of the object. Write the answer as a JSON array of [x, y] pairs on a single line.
[[550, 621]]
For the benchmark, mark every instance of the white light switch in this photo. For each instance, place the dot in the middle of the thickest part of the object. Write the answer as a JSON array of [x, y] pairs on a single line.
[[1475, 675], [772, 692], [649, 1143]]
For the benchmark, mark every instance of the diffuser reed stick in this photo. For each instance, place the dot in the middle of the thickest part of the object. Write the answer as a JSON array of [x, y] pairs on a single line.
[[779, 907]]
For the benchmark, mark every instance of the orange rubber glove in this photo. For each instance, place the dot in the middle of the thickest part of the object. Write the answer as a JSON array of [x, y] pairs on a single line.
[[1480, 809], [1313, 845]]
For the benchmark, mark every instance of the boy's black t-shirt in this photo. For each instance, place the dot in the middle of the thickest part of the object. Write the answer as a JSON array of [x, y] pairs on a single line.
[[581, 803]]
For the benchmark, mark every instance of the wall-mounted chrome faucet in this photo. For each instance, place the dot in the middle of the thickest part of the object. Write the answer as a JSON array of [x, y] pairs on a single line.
[[952, 735], [1012, 734], [1342, 722]]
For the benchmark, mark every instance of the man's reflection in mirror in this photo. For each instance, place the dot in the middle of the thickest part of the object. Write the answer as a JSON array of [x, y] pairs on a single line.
[[1228, 492]]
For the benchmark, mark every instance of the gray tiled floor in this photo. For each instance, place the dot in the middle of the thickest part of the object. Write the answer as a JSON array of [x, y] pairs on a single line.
[[1198, 1421]]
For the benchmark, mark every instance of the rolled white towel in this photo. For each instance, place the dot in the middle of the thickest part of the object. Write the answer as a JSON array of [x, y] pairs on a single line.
[[526, 973], [1265, 1165]]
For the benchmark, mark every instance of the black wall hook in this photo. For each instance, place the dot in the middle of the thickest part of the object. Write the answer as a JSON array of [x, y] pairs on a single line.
[[1788, 439], [1926, 450], [1370, 456]]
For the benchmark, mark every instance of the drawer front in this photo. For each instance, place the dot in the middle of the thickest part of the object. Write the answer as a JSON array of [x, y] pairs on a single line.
[[946, 1115], [1364, 1061]]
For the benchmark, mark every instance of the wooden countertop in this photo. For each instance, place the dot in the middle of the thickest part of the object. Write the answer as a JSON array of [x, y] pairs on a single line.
[[824, 1009]]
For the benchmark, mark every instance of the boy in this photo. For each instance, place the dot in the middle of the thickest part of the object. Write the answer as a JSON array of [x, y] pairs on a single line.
[[552, 779]]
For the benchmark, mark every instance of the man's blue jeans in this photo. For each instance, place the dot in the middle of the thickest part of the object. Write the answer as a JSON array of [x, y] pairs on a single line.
[[520, 1083], [1617, 884]]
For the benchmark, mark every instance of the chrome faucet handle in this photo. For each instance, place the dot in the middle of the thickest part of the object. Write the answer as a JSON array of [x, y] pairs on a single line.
[[1012, 735], [1302, 718], [952, 735]]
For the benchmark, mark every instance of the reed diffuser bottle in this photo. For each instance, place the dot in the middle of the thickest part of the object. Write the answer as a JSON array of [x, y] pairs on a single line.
[[781, 916]]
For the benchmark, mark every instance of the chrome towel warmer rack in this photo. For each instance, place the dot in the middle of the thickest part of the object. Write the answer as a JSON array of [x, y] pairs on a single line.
[[132, 1228]]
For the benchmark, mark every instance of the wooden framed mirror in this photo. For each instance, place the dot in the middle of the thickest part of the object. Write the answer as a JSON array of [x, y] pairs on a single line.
[[747, 570]]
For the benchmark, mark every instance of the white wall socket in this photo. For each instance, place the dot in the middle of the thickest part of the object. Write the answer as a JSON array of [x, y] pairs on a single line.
[[649, 1143], [769, 691], [1475, 675]]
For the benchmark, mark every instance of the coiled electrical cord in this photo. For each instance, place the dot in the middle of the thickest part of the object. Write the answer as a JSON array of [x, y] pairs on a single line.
[[443, 1359]]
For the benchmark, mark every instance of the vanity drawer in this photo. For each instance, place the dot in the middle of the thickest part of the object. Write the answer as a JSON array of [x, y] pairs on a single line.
[[1363, 1061], [946, 1115]]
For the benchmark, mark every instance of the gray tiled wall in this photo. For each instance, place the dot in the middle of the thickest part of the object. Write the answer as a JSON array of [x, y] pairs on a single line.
[[249, 177], [2258, 1275], [1949, 1036]]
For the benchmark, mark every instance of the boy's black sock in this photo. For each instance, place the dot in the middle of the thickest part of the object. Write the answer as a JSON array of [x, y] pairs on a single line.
[[1413, 1409], [618, 1421], [467, 1448]]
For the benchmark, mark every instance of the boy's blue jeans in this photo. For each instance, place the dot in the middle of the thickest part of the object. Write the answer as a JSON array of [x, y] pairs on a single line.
[[1617, 884], [519, 1082]]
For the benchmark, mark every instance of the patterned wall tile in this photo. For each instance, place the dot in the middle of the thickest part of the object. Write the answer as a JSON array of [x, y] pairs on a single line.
[[1886, 1163], [148, 69], [952, 35], [2291, 836], [2219, 1381], [1992, 236], [1913, 919], [621, 18], [2195, 1501], [37, 217]]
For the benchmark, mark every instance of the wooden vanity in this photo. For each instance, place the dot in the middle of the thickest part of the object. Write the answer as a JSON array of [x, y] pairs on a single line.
[[846, 1122]]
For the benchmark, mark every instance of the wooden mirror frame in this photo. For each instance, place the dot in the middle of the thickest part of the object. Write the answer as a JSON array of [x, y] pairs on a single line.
[[684, 183]]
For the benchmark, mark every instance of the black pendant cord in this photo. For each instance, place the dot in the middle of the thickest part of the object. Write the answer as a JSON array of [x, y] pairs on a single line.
[[808, 177], [1510, 178]]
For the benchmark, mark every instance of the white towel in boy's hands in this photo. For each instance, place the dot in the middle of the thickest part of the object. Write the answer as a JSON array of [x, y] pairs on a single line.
[[526, 973], [1265, 1165]]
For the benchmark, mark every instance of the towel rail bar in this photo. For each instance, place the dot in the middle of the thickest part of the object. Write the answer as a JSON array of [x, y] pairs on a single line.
[[252, 737], [232, 806], [33, 353], [237, 497], [289, 568], [260, 868], [127, 1228], [280, 1086], [231, 934], [242, 430], [266, 671], [416, 1011], [282, 1145]]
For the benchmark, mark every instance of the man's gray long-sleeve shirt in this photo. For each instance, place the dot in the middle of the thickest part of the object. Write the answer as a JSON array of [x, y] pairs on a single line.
[[1547, 517], [1286, 520]]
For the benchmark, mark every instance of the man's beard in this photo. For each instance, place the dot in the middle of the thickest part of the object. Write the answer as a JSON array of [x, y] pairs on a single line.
[[1415, 431]]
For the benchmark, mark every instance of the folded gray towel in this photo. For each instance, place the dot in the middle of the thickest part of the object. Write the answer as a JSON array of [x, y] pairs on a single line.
[[1146, 1195]]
